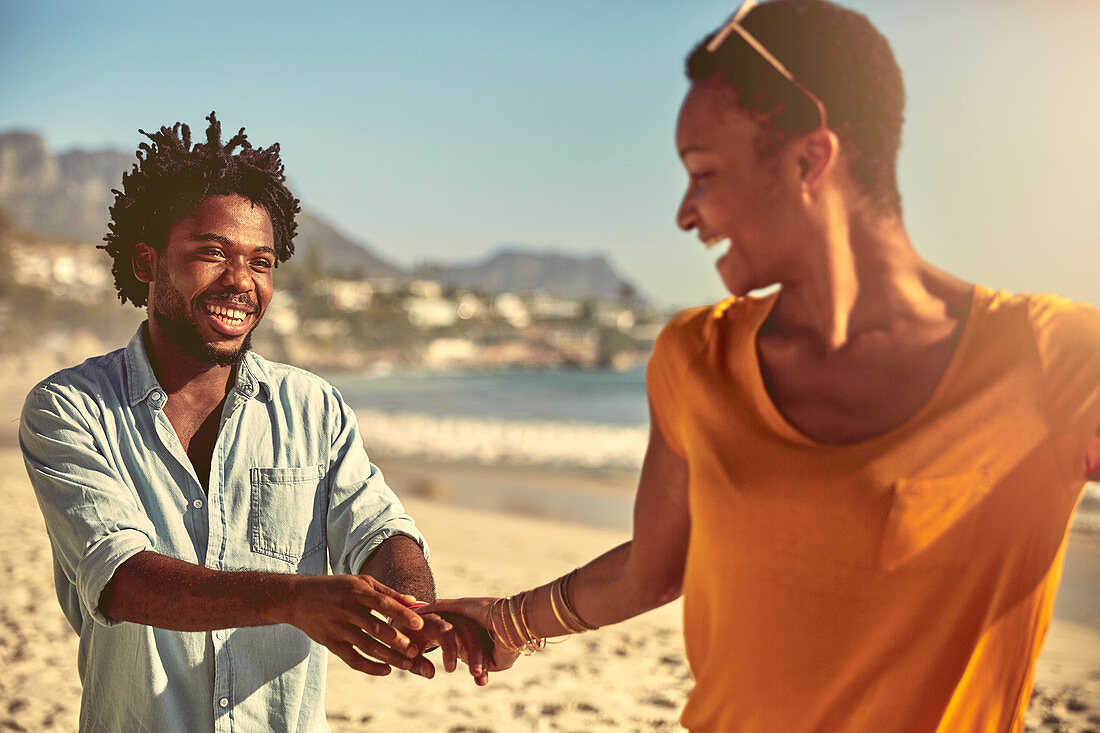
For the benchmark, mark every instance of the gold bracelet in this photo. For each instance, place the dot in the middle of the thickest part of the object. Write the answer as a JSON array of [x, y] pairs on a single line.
[[496, 634], [529, 645], [569, 607], [534, 643], [554, 608], [511, 603], [555, 593], [513, 627], [504, 636]]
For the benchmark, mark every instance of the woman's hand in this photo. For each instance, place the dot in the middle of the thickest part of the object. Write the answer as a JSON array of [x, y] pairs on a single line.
[[458, 638], [496, 650]]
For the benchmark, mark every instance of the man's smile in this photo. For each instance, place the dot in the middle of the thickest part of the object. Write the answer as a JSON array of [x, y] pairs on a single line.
[[229, 320]]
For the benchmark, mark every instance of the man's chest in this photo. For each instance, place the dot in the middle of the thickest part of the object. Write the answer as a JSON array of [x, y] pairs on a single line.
[[248, 493], [197, 433]]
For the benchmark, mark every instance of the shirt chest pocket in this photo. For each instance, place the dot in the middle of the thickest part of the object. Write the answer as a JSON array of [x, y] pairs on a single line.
[[286, 518], [932, 521]]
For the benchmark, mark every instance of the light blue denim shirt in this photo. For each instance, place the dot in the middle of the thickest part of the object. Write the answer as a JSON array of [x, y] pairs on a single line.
[[291, 491]]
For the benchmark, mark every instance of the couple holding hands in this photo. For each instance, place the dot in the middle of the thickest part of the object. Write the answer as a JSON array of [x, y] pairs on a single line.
[[860, 483]]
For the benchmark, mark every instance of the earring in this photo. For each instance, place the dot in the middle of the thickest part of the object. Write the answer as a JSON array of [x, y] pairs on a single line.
[[805, 187]]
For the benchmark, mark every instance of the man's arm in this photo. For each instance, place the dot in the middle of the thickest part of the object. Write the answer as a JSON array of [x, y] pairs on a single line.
[[400, 563], [101, 538], [333, 610]]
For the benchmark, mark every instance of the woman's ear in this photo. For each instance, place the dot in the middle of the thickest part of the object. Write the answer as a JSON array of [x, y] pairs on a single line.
[[818, 156], [144, 262]]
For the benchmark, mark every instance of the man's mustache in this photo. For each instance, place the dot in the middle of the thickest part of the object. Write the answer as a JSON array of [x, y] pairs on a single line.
[[243, 302]]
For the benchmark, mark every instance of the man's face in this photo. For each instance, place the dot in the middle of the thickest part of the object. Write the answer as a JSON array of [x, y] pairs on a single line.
[[213, 282]]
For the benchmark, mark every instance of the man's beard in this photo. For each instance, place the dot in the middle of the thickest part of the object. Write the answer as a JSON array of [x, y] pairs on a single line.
[[170, 314]]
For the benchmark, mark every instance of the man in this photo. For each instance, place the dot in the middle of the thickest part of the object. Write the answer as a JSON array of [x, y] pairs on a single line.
[[200, 492], [861, 483]]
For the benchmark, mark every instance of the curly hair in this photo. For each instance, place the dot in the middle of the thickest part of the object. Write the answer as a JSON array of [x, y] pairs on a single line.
[[171, 177], [839, 56]]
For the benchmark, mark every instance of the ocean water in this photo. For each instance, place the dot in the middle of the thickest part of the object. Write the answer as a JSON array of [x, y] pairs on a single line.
[[596, 397], [581, 419], [562, 419]]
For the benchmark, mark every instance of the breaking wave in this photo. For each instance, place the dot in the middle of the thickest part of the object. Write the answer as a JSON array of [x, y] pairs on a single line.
[[490, 441]]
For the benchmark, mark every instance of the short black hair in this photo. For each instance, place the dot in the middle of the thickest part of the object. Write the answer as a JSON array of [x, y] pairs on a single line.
[[171, 177], [838, 55]]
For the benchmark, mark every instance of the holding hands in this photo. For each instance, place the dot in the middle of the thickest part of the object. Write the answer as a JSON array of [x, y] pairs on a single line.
[[348, 615], [501, 618]]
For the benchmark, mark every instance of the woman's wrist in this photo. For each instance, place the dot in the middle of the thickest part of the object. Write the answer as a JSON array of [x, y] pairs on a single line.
[[509, 627]]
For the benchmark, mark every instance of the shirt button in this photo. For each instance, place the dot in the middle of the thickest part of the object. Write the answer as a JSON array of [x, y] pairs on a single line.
[[197, 503], [158, 396], [224, 702]]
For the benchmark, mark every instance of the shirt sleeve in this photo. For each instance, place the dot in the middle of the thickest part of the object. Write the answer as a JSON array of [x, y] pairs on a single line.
[[92, 517], [663, 383], [363, 510], [1068, 340]]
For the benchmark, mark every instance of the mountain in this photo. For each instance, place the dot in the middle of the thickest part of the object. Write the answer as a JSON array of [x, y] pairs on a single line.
[[67, 196], [517, 269], [337, 253]]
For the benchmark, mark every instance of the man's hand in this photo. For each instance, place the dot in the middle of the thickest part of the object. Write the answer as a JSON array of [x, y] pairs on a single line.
[[400, 563], [336, 612]]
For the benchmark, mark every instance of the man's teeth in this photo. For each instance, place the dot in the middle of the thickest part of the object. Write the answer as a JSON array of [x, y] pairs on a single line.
[[231, 314], [712, 243]]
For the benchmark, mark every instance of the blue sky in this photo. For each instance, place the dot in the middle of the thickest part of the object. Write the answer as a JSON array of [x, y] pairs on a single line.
[[440, 130]]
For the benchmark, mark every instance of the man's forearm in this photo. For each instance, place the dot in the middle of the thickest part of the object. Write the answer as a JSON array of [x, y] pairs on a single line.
[[399, 563], [163, 591], [342, 612]]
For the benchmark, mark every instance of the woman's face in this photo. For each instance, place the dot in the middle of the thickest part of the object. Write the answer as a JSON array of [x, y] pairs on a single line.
[[735, 196]]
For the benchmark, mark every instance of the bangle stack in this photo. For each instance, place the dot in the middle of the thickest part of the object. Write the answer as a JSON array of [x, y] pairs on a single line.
[[508, 623], [562, 606], [512, 631]]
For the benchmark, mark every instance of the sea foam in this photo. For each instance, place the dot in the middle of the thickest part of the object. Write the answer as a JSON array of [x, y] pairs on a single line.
[[488, 441]]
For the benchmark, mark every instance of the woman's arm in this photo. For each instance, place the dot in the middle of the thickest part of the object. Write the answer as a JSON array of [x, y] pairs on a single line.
[[645, 572], [634, 577]]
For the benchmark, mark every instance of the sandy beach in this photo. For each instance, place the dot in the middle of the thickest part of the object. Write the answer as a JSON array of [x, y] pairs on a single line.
[[631, 677]]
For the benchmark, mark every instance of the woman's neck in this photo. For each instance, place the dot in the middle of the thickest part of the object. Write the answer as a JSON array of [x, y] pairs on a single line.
[[865, 280]]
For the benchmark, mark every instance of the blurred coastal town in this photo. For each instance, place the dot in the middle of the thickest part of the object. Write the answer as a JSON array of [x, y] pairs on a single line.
[[338, 306], [53, 291]]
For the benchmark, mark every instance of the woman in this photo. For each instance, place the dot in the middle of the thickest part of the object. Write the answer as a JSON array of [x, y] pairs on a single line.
[[861, 483]]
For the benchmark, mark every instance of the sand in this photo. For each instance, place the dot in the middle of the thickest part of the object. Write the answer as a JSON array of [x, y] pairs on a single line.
[[631, 677]]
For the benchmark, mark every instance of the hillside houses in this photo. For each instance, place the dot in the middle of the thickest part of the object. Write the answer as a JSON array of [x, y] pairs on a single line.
[[325, 321]]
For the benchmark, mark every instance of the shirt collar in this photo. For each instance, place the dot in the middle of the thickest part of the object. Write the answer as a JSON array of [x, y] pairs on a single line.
[[140, 380], [252, 374], [252, 377]]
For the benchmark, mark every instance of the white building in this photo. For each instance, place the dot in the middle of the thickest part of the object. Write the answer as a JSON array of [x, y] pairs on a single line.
[[431, 312]]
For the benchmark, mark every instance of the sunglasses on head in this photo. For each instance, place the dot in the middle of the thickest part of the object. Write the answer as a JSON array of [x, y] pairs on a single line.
[[733, 25]]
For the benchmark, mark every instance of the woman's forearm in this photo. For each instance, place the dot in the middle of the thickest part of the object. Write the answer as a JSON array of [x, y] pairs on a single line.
[[607, 590]]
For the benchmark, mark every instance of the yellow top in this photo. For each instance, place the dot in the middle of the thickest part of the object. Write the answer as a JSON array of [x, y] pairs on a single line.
[[903, 583]]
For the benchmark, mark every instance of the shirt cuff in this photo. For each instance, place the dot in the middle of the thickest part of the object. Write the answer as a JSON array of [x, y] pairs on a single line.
[[100, 563], [400, 525]]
